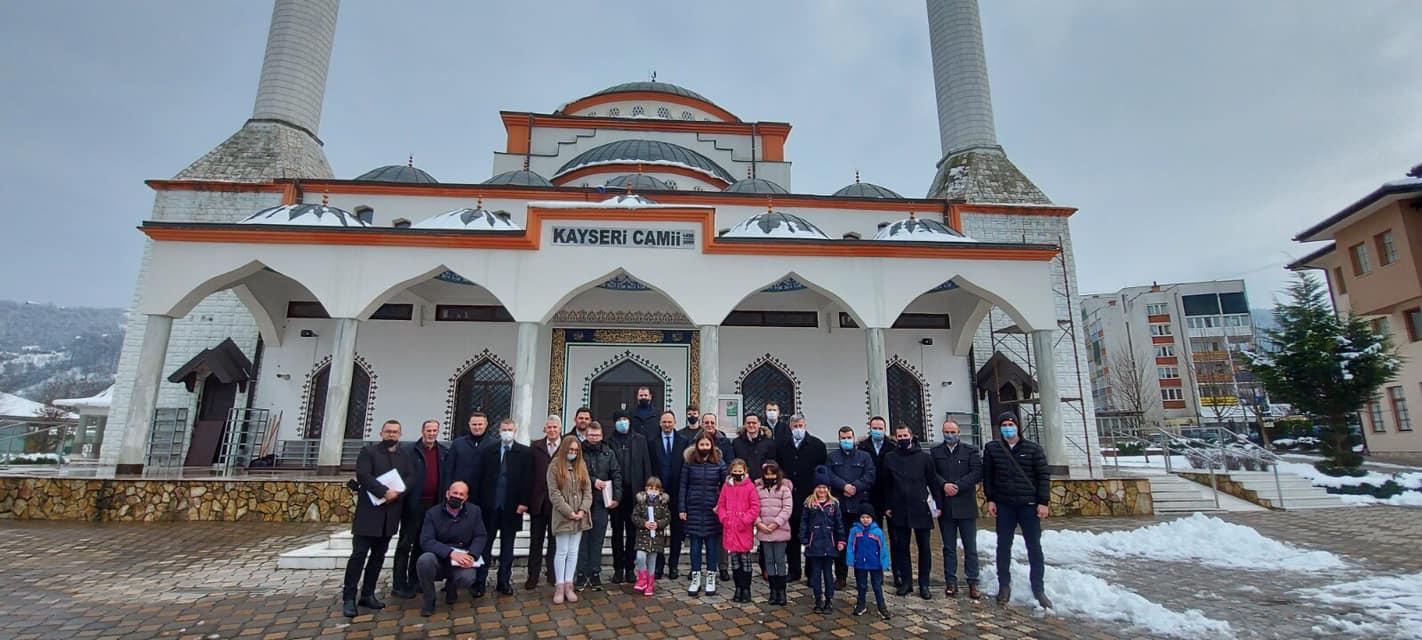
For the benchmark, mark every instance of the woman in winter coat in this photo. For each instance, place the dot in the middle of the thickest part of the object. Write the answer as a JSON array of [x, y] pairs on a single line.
[[738, 508], [570, 493], [701, 478], [822, 534], [772, 528], [652, 518]]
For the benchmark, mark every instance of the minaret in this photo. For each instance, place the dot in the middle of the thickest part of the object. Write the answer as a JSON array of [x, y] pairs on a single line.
[[974, 167], [280, 140]]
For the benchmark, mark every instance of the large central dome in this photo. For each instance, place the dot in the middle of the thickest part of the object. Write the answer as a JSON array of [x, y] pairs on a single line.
[[654, 87], [649, 152]]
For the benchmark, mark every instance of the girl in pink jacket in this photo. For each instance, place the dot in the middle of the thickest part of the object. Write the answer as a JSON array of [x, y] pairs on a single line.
[[772, 528], [738, 508]]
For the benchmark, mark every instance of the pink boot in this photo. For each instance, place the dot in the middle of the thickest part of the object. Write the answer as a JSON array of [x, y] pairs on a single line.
[[651, 580], [641, 582]]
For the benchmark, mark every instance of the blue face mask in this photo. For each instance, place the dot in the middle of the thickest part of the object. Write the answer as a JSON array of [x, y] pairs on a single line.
[[622, 426], [950, 438], [846, 443], [876, 434], [1008, 432]]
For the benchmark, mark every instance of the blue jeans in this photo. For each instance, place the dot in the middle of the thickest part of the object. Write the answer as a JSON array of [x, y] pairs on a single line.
[[952, 528], [862, 580], [709, 544], [1009, 518], [822, 576]]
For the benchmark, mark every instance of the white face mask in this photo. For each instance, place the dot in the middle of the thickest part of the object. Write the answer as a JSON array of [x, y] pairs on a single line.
[[798, 433], [653, 493], [772, 416], [506, 436]]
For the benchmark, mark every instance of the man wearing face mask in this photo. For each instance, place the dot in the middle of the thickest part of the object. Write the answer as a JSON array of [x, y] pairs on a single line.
[[693, 424], [799, 454], [505, 488], [602, 469], [665, 458], [849, 472], [1017, 487], [909, 480], [777, 427], [643, 417], [877, 443], [374, 524], [452, 537], [960, 466], [630, 449]]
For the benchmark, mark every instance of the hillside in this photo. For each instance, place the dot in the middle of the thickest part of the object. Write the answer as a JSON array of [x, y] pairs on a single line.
[[50, 351]]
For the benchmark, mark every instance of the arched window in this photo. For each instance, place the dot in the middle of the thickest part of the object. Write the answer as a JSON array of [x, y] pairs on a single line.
[[906, 400], [356, 408], [767, 383], [485, 388]]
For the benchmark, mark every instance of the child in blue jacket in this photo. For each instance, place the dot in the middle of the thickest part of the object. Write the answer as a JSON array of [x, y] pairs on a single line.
[[868, 554]]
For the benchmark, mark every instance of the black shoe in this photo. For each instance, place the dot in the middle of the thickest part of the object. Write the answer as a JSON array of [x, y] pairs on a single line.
[[629, 576], [903, 590], [819, 605], [617, 576], [860, 609], [348, 608], [793, 577], [839, 583], [724, 575], [661, 573], [477, 590], [428, 608], [371, 602], [595, 583], [924, 593], [829, 606], [1042, 599], [505, 589], [1004, 594], [451, 596], [581, 584], [530, 583], [673, 573], [883, 613], [403, 593]]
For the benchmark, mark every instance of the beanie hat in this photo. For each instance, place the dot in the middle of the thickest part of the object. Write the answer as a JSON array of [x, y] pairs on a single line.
[[1005, 416]]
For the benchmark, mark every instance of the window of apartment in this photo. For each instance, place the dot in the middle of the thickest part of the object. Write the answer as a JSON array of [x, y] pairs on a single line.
[[1381, 326], [1160, 329], [1358, 254], [1399, 408], [1165, 351], [1387, 252], [1413, 318], [1172, 393], [1375, 415], [1237, 320], [1155, 309], [1203, 322], [1338, 281], [1167, 373]]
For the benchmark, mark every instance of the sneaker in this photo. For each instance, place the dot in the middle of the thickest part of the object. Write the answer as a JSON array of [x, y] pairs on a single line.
[[581, 584], [884, 613], [1043, 600], [819, 605], [710, 583], [860, 609], [695, 587], [595, 583]]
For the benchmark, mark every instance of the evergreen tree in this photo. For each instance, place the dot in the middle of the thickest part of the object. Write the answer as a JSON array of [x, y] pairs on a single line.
[[1325, 365]]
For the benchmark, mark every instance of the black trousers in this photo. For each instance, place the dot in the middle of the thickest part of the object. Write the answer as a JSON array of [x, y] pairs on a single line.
[[841, 569], [624, 535], [503, 526], [792, 549], [678, 536], [540, 529], [899, 554], [367, 556], [407, 550]]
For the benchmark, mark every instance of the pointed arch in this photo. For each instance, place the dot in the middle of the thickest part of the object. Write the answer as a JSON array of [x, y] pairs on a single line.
[[768, 379], [620, 273], [359, 410], [776, 285], [909, 400], [395, 288], [628, 356], [483, 383], [966, 284]]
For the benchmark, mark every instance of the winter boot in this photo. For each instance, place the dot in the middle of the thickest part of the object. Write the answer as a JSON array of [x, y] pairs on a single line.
[[695, 587], [558, 593], [641, 583], [651, 580], [710, 588], [1042, 599], [1004, 595], [569, 593]]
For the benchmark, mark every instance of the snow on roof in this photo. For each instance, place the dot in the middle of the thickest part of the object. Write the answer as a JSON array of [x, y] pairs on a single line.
[[15, 406], [776, 224], [477, 219], [99, 401], [913, 229], [623, 201], [305, 215]]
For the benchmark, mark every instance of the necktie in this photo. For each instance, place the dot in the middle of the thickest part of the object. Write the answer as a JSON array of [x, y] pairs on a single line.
[[666, 443], [502, 451]]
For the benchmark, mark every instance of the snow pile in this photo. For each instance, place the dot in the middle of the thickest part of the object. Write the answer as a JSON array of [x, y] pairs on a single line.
[[1412, 480], [1078, 594], [1386, 606], [1404, 499], [1196, 539]]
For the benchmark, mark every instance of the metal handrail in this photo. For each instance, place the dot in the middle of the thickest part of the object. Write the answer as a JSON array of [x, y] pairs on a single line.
[[1240, 447], [46, 427]]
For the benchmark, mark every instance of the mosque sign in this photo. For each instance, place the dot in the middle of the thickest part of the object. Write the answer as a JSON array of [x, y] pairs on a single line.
[[624, 238]]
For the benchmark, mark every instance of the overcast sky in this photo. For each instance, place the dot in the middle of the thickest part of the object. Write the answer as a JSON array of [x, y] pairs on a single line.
[[1196, 137]]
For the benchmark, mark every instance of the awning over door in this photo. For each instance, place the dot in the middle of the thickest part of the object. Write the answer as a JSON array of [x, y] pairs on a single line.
[[226, 361]]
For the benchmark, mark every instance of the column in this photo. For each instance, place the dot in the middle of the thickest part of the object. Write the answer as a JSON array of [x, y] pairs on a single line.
[[338, 397], [525, 364], [878, 372], [710, 367], [134, 452], [1052, 434]]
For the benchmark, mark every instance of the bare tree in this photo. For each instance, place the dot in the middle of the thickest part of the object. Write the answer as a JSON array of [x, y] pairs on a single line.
[[1218, 395], [1130, 379]]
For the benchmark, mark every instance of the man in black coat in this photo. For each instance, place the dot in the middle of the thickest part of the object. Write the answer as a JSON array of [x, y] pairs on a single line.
[[453, 538], [693, 425], [1018, 490], [961, 467], [849, 472], [374, 524], [754, 445], [799, 455], [909, 481], [877, 443], [630, 448], [774, 423], [429, 477], [643, 417], [540, 509], [464, 451], [601, 463], [665, 457], [505, 483]]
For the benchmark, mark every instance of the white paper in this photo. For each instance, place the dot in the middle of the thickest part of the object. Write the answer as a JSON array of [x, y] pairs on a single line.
[[933, 506], [607, 494], [392, 480], [652, 517], [478, 562]]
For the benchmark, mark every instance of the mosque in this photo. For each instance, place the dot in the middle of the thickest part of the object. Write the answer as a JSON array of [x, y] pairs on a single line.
[[638, 235]]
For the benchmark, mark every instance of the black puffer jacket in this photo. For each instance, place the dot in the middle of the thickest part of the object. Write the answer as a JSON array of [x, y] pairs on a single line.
[[755, 452], [1003, 483], [602, 465]]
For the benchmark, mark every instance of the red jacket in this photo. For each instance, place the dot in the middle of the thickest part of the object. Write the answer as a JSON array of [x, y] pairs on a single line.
[[737, 508]]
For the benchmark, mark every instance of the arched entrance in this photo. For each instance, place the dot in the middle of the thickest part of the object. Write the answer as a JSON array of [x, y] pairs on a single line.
[[617, 388]]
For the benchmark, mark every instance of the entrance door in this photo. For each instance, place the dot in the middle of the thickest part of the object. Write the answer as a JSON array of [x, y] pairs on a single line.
[[617, 388], [208, 429]]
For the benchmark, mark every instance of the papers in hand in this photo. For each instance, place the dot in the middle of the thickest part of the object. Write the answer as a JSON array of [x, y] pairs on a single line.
[[478, 562], [392, 480], [652, 517], [607, 494], [933, 507]]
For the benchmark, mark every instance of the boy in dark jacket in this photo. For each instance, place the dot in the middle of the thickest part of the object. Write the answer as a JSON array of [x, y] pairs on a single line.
[[868, 552], [1017, 487], [822, 534]]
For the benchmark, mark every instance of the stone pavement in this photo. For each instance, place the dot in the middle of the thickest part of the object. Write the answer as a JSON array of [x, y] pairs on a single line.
[[217, 580]]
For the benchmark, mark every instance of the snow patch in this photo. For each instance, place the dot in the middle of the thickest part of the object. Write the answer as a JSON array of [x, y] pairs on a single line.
[[1393, 606], [1404, 499]]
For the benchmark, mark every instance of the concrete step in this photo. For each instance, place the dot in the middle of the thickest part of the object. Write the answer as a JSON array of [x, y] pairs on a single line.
[[1173, 494]]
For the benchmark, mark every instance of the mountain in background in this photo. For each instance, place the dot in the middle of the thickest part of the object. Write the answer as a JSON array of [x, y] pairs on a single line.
[[48, 351]]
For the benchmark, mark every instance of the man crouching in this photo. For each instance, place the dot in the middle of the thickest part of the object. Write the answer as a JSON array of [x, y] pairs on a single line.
[[452, 537]]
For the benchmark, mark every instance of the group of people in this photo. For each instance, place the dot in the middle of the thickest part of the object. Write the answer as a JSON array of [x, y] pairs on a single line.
[[771, 497]]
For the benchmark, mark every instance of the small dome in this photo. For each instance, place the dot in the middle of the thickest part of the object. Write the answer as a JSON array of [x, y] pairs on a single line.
[[914, 229], [397, 173], [520, 177], [866, 190], [466, 219], [627, 200], [755, 185], [639, 182], [776, 224], [305, 215], [651, 152]]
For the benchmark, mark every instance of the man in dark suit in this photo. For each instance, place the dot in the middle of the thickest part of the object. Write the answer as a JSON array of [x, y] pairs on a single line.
[[643, 418], [665, 451], [505, 482], [374, 524], [464, 451], [540, 510], [961, 467], [909, 481], [630, 447], [429, 460], [877, 443], [775, 424], [799, 453]]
